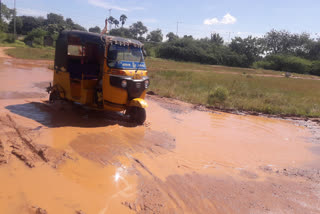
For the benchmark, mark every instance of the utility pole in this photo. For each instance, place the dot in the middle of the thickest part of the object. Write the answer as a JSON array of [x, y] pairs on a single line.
[[110, 16], [14, 21], [0, 11], [178, 27], [229, 36]]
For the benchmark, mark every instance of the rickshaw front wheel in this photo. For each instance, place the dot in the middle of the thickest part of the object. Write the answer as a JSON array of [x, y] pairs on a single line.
[[137, 115]]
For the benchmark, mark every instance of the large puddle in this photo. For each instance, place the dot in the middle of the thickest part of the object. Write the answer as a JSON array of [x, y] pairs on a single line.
[[181, 161]]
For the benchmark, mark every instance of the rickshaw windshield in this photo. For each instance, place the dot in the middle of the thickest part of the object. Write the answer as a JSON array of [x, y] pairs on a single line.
[[125, 57]]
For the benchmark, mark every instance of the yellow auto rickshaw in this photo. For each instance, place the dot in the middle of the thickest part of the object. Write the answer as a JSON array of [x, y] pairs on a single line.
[[102, 72]]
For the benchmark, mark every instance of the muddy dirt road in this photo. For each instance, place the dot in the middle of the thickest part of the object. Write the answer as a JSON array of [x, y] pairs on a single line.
[[68, 159]]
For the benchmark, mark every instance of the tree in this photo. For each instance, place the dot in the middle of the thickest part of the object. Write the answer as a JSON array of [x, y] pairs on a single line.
[[314, 50], [53, 18], [29, 23], [19, 25], [250, 47], [123, 19], [216, 39], [95, 29], [36, 37], [78, 27], [122, 32], [188, 37], [155, 36], [69, 22], [53, 28], [138, 29], [111, 21], [116, 23], [6, 13], [171, 37]]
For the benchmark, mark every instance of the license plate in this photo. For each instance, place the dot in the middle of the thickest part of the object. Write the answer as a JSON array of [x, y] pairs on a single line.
[[137, 76]]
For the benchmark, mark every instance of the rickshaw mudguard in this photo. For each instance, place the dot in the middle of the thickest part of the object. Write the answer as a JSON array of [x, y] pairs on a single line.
[[138, 102]]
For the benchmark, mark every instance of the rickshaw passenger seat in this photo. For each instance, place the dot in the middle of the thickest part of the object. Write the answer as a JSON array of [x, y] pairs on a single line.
[[89, 71]]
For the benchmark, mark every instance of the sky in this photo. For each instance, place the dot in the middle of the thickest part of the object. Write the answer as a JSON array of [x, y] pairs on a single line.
[[198, 18]]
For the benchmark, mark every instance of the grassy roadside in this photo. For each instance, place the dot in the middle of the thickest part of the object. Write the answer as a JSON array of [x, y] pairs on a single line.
[[269, 95], [31, 53], [232, 88]]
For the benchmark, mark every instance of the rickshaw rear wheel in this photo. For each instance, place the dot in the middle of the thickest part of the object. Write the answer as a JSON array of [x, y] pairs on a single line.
[[137, 115]]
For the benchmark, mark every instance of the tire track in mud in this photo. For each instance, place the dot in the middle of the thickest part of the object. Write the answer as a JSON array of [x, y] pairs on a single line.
[[20, 144], [104, 148]]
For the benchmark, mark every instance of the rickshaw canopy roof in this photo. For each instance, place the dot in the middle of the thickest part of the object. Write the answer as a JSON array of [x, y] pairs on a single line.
[[85, 37]]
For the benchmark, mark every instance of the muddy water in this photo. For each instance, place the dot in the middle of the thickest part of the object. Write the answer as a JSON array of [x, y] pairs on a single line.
[[180, 161]]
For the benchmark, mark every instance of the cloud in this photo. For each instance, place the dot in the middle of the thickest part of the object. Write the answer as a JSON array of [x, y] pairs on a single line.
[[31, 12], [213, 21], [226, 20], [105, 5]]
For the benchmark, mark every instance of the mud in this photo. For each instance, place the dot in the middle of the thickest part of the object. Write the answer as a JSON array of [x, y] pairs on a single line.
[[66, 158], [105, 147], [213, 194], [19, 142]]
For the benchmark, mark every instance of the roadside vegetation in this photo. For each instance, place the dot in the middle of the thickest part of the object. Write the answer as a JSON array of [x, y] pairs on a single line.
[[270, 95]]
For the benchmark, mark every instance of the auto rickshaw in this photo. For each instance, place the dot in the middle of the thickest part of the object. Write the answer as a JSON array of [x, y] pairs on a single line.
[[102, 72]]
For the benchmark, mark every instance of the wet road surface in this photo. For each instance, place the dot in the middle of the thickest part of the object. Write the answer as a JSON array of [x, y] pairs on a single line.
[[65, 158]]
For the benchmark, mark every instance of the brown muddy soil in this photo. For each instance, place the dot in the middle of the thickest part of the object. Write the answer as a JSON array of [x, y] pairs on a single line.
[[65, 158]]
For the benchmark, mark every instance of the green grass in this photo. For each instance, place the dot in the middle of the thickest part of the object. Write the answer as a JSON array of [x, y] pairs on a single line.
[[243, 92], [17, 43], [31, 53], [163, 64], [156, 64]]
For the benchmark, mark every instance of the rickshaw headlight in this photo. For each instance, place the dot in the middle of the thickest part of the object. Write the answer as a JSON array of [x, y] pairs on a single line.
[[124, 83], [146, 83]]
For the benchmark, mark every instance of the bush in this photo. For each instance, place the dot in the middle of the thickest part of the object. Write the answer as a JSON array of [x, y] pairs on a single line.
[[188, 53], [234, 60], [151, 49], [315, 68], [35, 38], [286, 63], [219, 95], [3, 37], [262, 64]]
